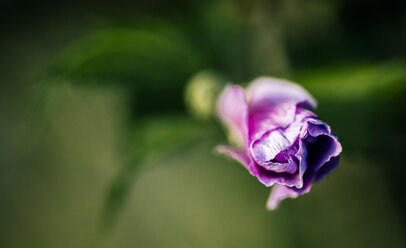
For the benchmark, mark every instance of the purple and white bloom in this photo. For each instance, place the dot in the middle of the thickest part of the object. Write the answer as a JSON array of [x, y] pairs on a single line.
[[278, 139]]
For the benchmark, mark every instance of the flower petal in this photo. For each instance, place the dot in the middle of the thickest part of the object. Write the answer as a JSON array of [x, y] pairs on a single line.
[[239, 155], [326, 168], [301, 156], [269, 178], [264, 119], [324, 145], [267, 91], [232, 110], [323, 150], [274, 149], [318, 155], [278, 193]]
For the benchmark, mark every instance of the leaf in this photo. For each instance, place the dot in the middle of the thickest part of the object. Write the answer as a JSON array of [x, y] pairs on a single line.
[[354, 81], [152, 139], [150, 56]]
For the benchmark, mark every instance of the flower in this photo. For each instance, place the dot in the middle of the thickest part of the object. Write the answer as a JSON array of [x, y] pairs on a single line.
[[277, 138]]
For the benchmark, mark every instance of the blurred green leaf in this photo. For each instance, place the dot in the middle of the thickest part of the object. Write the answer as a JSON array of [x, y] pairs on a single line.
[[151, 140], [149, 56], [354, 81]]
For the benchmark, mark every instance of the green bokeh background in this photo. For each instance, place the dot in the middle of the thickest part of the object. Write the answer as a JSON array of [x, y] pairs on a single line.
[[99, 149]]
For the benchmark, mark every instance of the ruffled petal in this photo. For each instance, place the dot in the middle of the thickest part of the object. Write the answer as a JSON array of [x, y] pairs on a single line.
[[274, 150], [323, 151], [269, 92], [321, 142], [262, 120], [280, 192], [318, 155], [301, 156], [326, 168], [232, 110], [269, 178]]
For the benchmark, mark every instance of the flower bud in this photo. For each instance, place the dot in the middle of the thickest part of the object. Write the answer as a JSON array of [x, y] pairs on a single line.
[[201, 93]]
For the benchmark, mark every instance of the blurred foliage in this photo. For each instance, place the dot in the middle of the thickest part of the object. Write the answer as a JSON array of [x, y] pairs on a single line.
[[148, 57], [151, 140], [356, 81]]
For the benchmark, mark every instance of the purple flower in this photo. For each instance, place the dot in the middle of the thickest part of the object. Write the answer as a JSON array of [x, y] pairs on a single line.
[[278, 140]]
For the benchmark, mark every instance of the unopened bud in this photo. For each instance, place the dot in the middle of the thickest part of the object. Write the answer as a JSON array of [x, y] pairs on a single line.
[[201, 93]]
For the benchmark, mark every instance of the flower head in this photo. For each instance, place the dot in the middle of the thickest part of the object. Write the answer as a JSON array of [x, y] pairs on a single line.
[[276, 137]]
